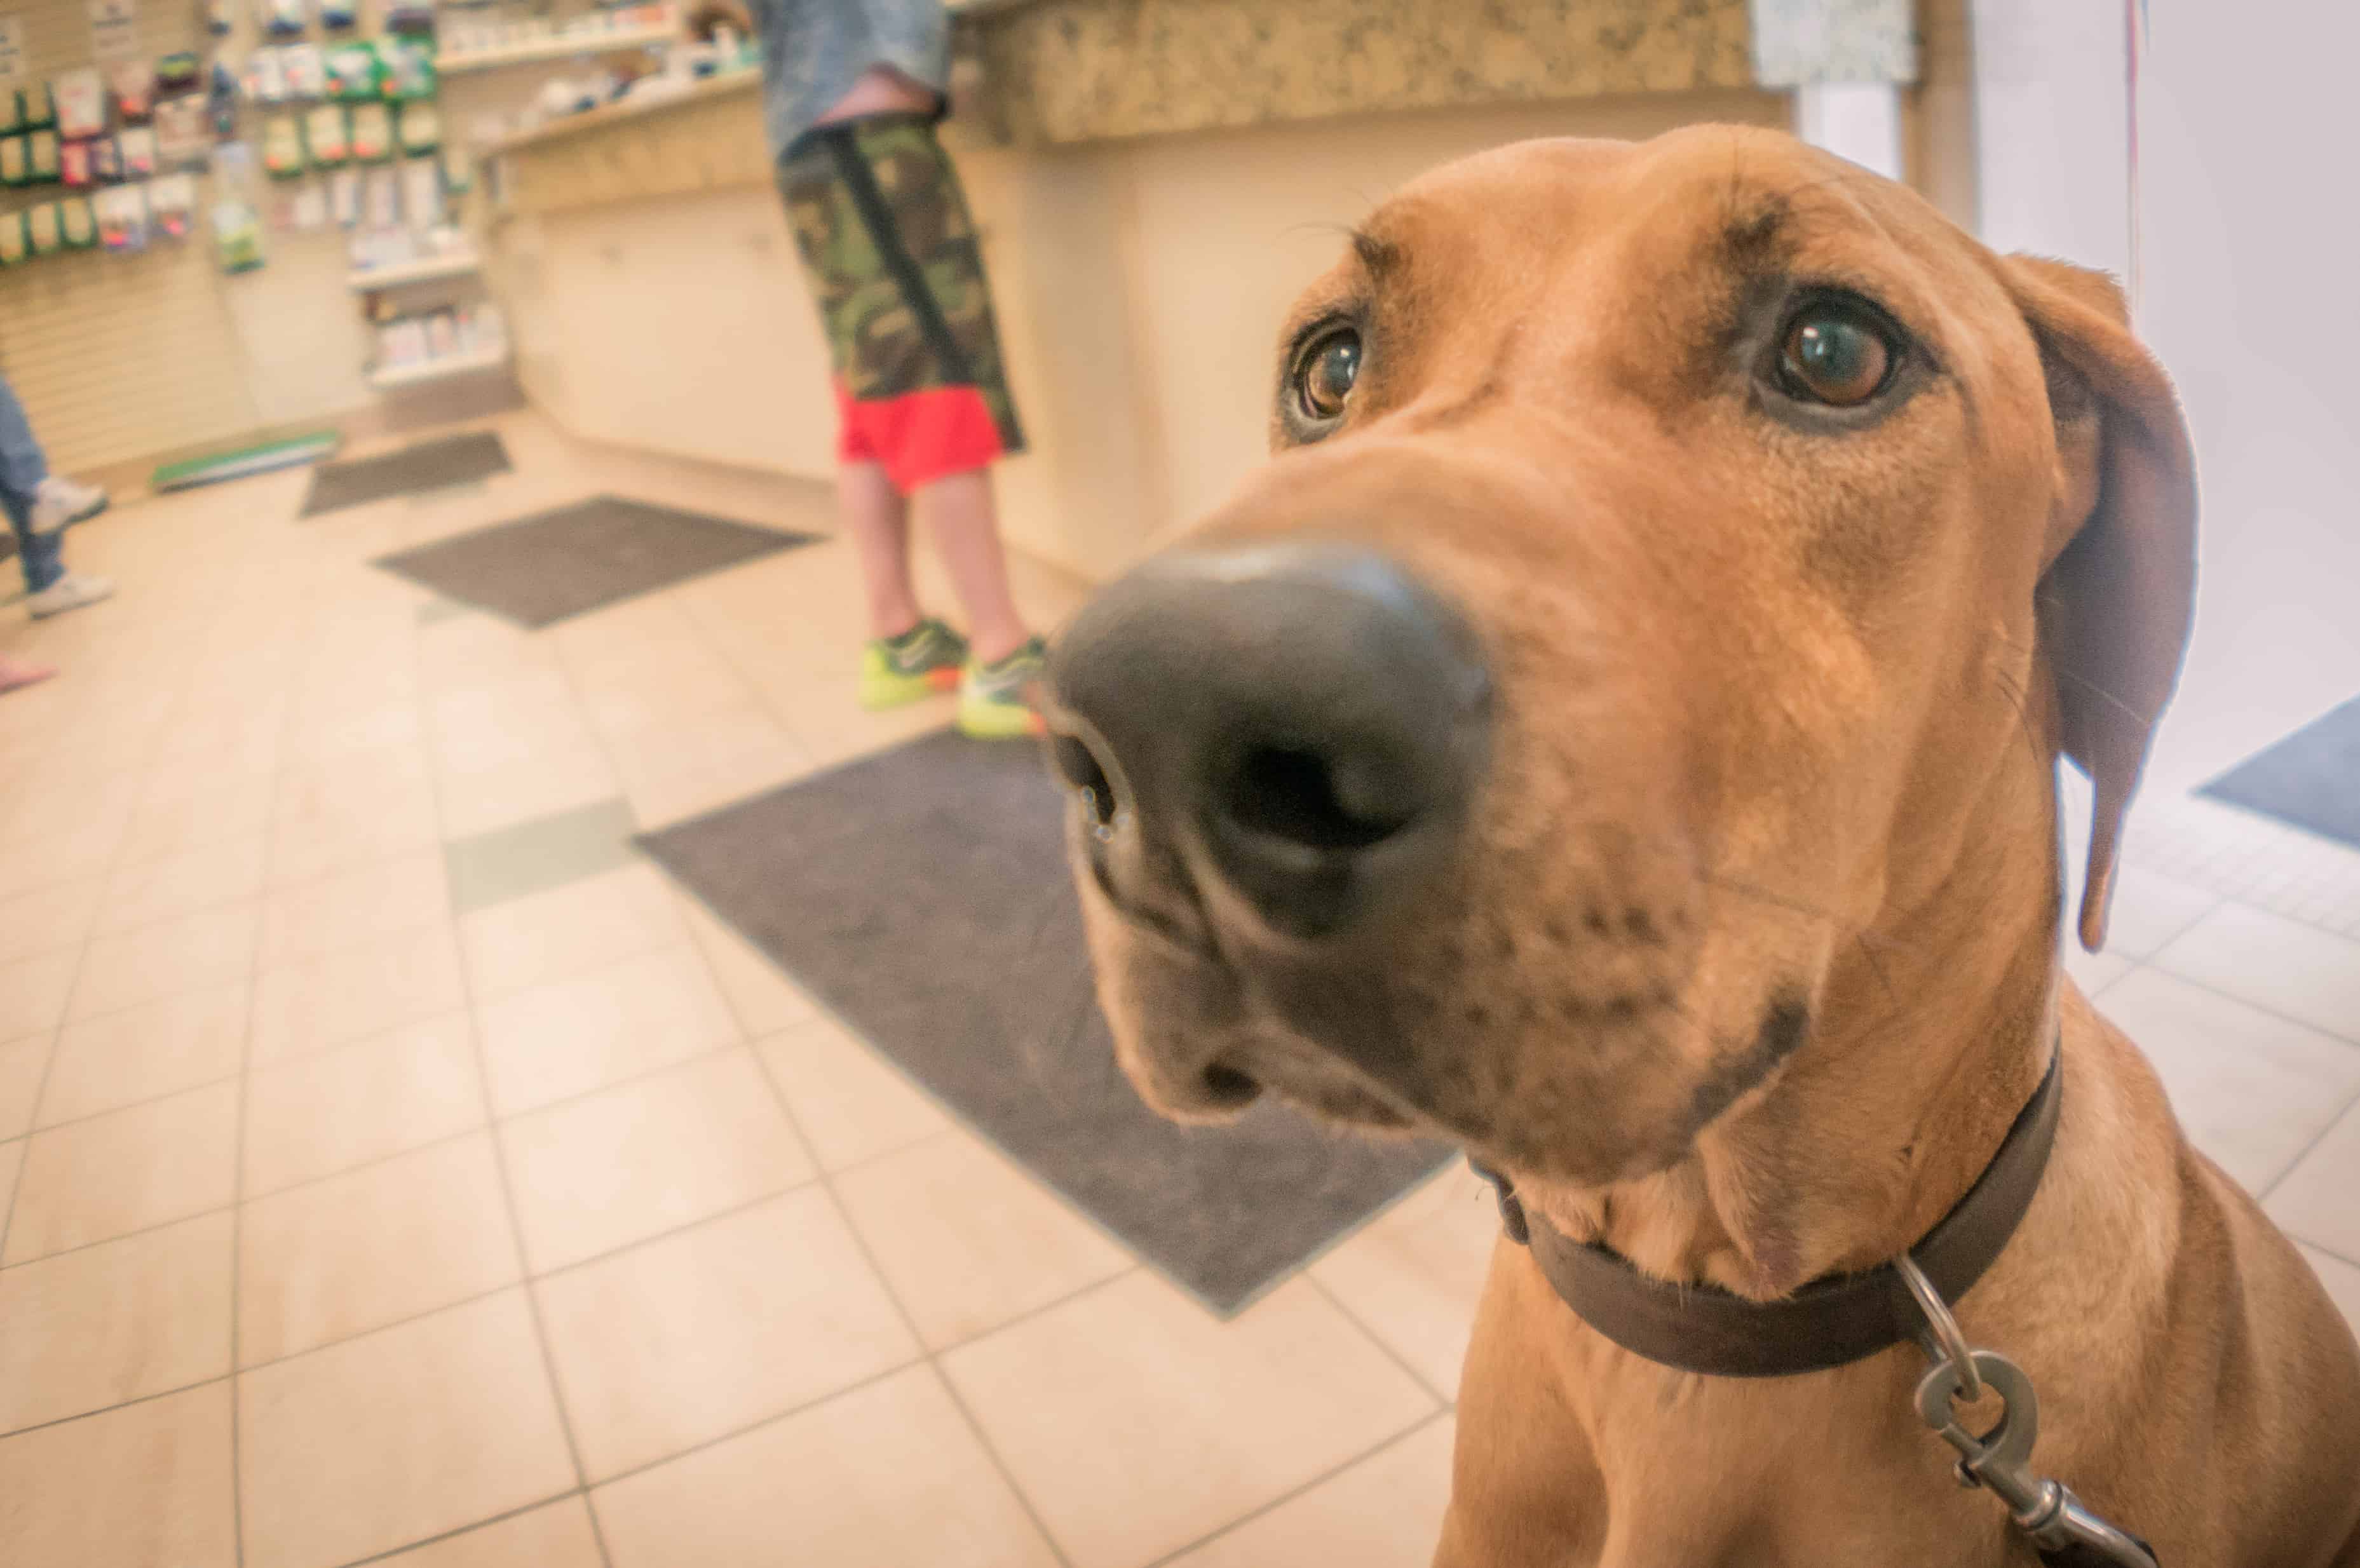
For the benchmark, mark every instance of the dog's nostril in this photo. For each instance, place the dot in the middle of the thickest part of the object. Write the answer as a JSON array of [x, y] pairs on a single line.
[[1303, 797], [1228, 1086], [1080, 771]]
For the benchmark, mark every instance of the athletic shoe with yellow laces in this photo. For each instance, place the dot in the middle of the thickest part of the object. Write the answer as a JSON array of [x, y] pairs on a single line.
[[920, 663], [1000, 700]]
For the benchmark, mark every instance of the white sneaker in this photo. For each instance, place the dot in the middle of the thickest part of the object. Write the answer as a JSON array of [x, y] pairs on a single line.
[[61, 503], [71, 592]]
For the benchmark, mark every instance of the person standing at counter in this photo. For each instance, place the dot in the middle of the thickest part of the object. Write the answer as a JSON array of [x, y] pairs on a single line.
[[852, 90]]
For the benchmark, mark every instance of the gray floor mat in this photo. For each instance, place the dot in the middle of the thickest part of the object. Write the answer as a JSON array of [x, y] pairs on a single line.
[[429, 465], [2309, 780], [543, 569], [921, 894]]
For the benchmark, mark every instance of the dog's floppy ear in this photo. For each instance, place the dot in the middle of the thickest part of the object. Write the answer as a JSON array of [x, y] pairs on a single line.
[[2118, 588]]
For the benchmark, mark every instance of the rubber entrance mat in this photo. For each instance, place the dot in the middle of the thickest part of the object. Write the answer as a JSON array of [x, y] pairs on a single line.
[[542, 569], [921, 894], [2309, 780], [429, 465]]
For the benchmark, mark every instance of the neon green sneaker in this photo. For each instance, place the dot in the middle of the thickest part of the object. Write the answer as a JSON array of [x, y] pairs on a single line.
[[996, 700], [921, 663]]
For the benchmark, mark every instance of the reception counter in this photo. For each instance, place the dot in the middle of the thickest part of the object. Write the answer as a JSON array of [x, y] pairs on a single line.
[[1154, 179]]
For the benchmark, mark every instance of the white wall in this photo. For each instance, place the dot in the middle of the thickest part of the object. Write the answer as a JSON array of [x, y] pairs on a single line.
[[2051, 138], [2247, 234]]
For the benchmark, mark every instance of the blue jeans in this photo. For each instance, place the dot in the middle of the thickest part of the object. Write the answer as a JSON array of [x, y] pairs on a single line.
[[22, 469]]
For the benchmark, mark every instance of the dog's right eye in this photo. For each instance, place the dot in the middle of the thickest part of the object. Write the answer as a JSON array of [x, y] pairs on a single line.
[[1325, 373]]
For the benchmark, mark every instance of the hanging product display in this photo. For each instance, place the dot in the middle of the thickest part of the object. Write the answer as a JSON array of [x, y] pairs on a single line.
[[281, 18], [372, 132], [306, 71], [327, 135], [77, 224], [74, 165], [218, 18], [421, 129], [237, 236], [355, 71], [458, 172], [132, 85], [282, 147], [105, 160], [41, 158], [409, 19], [183, 135], [14, 247], [266, 77], [36, 105], [406, 68], [177, 73], [310, 214], [381, 198], [421, 194], [122, 218], [42, 232], [136, 146], [79, 101], [12, 109], [344, 198], [15, 167], [173, 205], [337, 15]]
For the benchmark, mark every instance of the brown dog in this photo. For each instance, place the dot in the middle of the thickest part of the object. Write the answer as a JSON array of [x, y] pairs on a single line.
[[1618, 734]]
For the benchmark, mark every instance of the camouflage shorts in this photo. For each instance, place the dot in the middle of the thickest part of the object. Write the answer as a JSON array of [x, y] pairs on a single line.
[[891, 257]]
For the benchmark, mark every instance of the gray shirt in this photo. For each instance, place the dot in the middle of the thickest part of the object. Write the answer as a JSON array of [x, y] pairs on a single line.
[[814, 51]]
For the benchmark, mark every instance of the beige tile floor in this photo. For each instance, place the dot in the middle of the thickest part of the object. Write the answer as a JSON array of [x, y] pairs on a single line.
[[396, 1169]]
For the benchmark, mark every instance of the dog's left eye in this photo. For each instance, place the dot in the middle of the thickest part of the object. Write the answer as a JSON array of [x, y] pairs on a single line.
[[1325, 373], [1836, 355]]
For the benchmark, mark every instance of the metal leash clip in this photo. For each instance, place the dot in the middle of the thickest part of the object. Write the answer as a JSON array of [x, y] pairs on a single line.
[[2000, 1460]]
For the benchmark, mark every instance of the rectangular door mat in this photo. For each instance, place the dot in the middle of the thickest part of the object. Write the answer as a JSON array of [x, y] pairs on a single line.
[[540, 569], [921, 894], [428, 465], [2309, 780]]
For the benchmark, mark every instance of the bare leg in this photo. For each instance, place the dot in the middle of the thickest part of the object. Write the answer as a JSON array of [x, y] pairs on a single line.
[[879, 521], [966, 531]]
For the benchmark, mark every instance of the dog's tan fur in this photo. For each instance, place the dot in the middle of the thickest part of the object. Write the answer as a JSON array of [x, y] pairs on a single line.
[[1777, 708]]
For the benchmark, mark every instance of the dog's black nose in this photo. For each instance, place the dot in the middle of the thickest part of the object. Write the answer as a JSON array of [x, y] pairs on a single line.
[[1305, 722]]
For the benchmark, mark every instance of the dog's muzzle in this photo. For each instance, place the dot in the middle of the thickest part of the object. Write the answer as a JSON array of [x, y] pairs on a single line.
[[1299, 729]]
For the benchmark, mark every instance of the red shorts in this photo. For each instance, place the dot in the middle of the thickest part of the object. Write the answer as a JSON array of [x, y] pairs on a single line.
[[919, 437]]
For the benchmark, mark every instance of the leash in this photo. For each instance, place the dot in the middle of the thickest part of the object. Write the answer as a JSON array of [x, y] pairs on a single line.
[[1846, 1317]]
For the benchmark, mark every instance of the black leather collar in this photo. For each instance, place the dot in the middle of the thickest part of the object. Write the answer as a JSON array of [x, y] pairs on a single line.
[[1833, 1321]]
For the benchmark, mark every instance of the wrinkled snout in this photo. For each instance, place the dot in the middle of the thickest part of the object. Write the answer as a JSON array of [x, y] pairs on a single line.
[[1298, 728]]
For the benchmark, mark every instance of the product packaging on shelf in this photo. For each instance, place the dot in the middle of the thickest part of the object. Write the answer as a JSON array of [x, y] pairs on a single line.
[[41, 235], [281, 18], [372, 132], [344, 198], [182, 136], [123, 219], [74, 170], [282, 147], [178, 73], [356, 72], [81, 102], [12, 109], [14, 247], [41, 158], [381, 198], [306, 67], [135, 146], [238, 236], [105, 160], [77, 224], [36, 105], [422, 193], [15, 166], [327, 135], [406, 68], [132, 85], [266, 76], [336, 15], [172, 203], [421, 129]]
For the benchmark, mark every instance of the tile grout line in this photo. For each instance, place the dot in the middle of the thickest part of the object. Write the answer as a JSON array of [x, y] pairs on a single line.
[[1173, 1557], [500, 1160], [437, 1539], [931, 1359], [150, 748], [237, 1170], [1319, 1287], [2344, 1113]]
